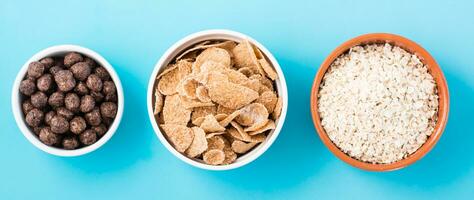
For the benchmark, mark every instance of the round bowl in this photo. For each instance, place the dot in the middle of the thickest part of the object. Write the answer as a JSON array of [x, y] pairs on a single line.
[[61, 50], [433, 69], [187, 42]]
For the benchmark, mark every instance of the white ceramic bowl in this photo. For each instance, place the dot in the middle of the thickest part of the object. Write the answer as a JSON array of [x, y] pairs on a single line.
[[185, 43], [61, 50]]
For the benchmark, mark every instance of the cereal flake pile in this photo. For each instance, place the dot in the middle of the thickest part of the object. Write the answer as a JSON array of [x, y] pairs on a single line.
[[378, 103], [217, 101]]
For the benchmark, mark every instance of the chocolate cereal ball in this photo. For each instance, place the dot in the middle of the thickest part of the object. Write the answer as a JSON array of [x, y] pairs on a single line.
[[102, 73], [81, 88], [77, 125], [45, 82], [64, 112], [49, 115], [37, 130], [70, 142], [48, 137], [56, 99], [35, 69], [81, 70], [100, 130], [59, 124], [72, 102], [27, 87], [93, 118], [39, 99], [98, 96], [88, 137], [108, 109], [94, 83], [72, 58], [55, 69], [65, 80], [109, 88], [27, 106], [34, 117], [90, 62], [87, 103], [107, 120], [111, 97], [47, 62]]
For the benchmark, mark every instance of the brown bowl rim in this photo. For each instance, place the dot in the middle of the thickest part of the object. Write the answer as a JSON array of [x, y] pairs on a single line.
[[434, 70]]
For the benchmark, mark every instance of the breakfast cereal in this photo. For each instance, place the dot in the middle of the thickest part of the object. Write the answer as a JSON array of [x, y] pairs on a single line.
[[215, 94], [378, 103]]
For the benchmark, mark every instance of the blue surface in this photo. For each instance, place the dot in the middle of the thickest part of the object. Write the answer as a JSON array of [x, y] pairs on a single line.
[[133, 35]]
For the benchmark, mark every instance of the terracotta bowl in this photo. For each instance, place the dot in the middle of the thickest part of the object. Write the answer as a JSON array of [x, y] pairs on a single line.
[[433, 68]]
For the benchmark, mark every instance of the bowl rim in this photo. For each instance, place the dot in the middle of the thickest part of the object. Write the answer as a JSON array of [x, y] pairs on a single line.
[[434, 70], [18, 113], [217, 34]]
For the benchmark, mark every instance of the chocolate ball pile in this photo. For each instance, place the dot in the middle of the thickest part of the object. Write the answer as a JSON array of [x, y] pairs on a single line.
[[68, 102]]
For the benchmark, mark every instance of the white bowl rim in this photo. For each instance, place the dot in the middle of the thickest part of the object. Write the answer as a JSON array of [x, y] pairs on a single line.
[[17, 107], [282, 90]]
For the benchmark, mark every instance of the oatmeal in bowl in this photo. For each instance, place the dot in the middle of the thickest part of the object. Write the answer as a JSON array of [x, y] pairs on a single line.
[[379, 102]]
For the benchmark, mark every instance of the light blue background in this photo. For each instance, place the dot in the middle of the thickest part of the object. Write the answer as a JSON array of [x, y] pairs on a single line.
[[133, 35]]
